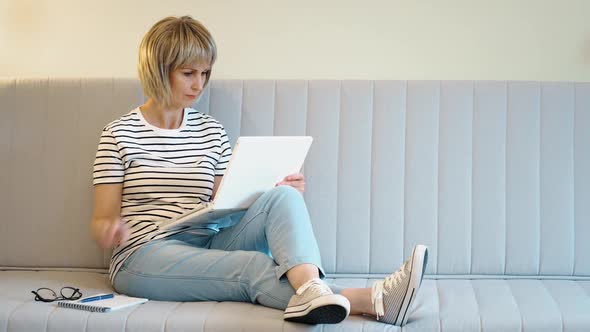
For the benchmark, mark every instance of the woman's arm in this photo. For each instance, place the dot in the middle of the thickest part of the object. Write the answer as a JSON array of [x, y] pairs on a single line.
[[108, 229], [216, 183]]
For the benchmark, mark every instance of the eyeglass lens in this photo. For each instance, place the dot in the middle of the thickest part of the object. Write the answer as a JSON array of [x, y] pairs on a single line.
[[70, 293], [46, 294]]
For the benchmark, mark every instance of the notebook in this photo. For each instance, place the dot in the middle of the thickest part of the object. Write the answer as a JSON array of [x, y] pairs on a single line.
[[256, 165], [115, 303]]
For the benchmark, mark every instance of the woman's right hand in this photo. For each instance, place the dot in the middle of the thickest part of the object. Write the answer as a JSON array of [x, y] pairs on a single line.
[[108, 229], [109, 232]]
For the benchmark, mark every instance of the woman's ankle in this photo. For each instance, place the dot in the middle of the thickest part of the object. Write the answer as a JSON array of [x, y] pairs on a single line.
[[360, 301], [300, 274]]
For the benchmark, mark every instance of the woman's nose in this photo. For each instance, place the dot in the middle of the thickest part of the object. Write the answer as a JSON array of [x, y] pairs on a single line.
[[198, 83]]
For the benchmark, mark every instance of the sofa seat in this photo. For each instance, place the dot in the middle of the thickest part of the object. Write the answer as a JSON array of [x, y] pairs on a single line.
[[443, 304]]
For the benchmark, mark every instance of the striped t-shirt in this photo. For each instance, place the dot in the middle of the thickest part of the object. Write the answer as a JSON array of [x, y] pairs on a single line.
[[164, 172]]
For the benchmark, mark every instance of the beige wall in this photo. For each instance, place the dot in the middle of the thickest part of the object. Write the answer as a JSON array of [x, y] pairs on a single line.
[[361, 39]]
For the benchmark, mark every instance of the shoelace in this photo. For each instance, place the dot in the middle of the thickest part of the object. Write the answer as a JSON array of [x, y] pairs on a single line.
[[380, 288], [316, 285]]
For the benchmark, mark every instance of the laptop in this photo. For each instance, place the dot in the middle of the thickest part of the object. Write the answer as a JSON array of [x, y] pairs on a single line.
[[256, 165]]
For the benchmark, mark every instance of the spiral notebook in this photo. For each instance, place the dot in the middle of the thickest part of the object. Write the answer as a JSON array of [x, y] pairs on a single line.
[[115, 303]]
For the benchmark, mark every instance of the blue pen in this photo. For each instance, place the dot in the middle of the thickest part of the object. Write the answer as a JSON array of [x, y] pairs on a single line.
[[97, 297]]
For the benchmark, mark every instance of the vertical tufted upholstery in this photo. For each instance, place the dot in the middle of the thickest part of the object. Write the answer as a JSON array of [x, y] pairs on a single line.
[[493, 176]]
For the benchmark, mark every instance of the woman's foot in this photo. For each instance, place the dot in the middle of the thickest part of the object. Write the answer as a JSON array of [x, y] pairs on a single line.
[[392, 297], [315, 303]]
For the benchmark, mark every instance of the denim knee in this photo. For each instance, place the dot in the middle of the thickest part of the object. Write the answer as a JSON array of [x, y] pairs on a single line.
[[285, 191], [278, 196]]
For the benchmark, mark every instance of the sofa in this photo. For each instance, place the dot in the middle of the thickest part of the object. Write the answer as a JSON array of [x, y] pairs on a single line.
[[493, 176]]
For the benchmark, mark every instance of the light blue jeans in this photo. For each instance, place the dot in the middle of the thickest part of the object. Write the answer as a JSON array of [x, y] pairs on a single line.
[[244, 262]]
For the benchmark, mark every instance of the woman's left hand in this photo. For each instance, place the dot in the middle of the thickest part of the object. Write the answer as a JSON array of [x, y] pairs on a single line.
[[296, 181]]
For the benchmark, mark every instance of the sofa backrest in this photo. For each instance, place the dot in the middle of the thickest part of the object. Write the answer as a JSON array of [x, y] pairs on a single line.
[[493, 176]]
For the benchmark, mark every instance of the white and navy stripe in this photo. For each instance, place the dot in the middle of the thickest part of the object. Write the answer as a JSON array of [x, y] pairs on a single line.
[[164, 172]]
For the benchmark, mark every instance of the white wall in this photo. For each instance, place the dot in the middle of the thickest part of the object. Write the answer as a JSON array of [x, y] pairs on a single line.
[[361, 39]]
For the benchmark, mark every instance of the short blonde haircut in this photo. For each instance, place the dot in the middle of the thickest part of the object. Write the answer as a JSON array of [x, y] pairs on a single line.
[[171, 43]]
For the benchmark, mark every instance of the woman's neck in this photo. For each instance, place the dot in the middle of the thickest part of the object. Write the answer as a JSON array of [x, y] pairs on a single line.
[[160, 116]]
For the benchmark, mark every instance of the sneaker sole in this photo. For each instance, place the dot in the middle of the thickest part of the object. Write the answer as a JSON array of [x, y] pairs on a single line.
[[330, 309], [419, 260]]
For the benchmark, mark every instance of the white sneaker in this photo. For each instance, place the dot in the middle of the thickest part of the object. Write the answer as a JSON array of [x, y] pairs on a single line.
[[393, 296], [314, 303]]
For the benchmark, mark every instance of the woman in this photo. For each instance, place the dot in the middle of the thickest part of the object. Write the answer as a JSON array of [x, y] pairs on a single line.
[[164, 158]]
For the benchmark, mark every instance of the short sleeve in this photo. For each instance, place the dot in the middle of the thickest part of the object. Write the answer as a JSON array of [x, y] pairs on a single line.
[[108, 165], [225, 154]]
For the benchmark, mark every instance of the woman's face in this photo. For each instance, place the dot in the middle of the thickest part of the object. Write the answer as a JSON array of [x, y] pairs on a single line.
[[187, 82]]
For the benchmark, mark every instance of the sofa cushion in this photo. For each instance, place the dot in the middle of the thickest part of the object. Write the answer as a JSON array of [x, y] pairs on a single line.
[[441, 305]]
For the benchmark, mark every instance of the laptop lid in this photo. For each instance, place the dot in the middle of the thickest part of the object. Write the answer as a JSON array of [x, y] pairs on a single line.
[[256, 165]]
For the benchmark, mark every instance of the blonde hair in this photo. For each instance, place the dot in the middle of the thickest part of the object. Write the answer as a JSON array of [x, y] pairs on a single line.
[[171, 43]]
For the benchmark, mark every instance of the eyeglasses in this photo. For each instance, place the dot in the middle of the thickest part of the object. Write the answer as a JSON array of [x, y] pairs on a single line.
[[45, 294]]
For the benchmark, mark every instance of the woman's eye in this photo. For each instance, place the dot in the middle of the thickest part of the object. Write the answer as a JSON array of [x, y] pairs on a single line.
[[188, 73], [205, 73]]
